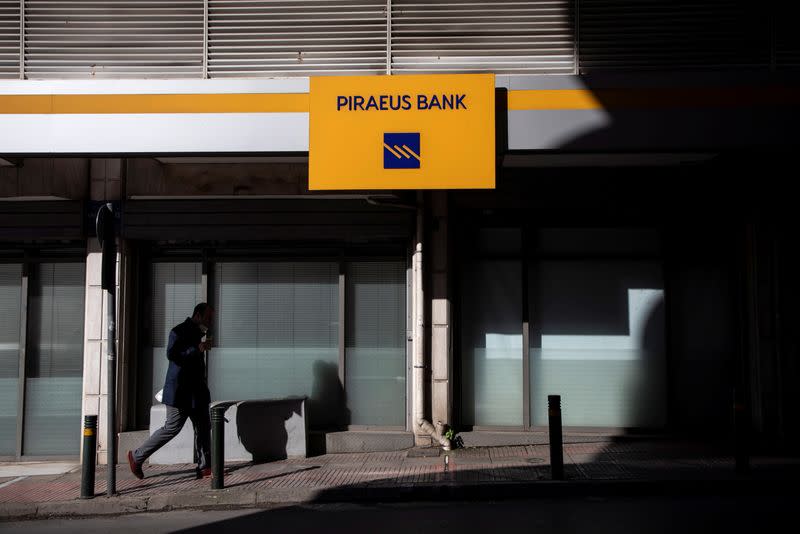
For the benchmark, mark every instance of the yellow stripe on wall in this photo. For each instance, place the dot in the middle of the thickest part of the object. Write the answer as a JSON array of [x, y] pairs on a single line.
[[194, 103], [533, 99], [26, 104]]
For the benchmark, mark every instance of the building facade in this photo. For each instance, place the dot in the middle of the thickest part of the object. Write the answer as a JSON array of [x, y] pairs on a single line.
[[635, 255]]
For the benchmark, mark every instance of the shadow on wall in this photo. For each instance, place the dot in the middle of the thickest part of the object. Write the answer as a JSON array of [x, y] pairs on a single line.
[[262, 427], [647, 392], [327, 407]]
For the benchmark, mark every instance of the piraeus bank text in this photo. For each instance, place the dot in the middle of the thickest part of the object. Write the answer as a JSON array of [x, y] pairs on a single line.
[[401, 102]]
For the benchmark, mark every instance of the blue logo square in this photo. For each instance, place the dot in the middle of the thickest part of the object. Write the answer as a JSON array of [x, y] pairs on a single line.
[[401, 151]]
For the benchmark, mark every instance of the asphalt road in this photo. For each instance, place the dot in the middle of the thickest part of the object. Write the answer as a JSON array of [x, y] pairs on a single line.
[[616, 515]]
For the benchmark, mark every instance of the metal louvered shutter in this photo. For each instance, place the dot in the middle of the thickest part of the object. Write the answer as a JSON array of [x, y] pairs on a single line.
[[9, 38], [672, 34], [473, 36], [296, 37], [114, 38], [787, 44]]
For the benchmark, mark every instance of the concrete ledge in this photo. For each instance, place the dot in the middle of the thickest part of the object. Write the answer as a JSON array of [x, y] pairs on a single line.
[[367, 441], [130, 441], [15, 510], [225, 498], [96, 506]]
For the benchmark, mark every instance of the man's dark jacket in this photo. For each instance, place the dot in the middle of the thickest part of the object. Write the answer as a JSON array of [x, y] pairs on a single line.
[[185, 386]]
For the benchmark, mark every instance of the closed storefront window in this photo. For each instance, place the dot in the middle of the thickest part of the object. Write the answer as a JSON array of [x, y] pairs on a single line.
[[597, 323], [174, 290], [598, 341], [277, 334], [41, 332], [10, 298], [575, 312], [54, 362], [376, 343], [492, 344]]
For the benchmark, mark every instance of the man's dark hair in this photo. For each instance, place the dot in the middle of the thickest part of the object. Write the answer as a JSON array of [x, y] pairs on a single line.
[[201, 309]]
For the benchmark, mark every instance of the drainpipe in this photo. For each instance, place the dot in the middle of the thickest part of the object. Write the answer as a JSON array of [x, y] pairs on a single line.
[[421, 425]]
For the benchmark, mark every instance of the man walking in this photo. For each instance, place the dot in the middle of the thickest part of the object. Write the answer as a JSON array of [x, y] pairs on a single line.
[[185, 392]]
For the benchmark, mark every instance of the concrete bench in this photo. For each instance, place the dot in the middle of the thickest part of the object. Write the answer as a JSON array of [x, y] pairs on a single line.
[[255, 430]]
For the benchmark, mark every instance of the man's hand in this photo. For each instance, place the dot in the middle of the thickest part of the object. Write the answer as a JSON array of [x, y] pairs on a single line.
[[204, 346]]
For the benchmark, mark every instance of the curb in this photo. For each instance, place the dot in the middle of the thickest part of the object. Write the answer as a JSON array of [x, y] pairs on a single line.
[[211, 499]]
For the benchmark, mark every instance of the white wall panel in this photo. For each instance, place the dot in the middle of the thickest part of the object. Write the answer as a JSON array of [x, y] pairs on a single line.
[[154, 133], [152, 87]]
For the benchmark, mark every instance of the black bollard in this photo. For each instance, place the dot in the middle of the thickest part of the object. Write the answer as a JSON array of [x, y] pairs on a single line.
[[89, 456], [741, 424], [556, 447], [217, 447]]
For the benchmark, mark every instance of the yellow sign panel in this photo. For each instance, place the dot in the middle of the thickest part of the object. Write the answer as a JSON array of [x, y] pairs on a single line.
[[402, 132]]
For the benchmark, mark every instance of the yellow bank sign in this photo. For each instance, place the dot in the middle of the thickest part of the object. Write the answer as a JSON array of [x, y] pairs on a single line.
[[402, 132]]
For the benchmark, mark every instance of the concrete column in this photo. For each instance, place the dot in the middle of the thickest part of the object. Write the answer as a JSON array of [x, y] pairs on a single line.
[[106, 184], [441, 342], [106, 179], [95, 337]]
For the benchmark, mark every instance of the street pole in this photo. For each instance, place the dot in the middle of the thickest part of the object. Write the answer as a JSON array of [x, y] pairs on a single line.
[[111, 366], [107, 237]]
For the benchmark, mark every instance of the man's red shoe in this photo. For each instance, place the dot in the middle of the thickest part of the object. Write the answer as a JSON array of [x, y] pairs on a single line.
[[136, 469], [204, 473]]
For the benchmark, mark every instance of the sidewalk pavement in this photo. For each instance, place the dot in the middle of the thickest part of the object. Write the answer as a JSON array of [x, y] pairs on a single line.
[[595, 465]]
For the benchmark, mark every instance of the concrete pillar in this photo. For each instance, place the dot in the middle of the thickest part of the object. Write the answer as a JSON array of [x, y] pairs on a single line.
[[106, 184], [441, 342], [95, 337]]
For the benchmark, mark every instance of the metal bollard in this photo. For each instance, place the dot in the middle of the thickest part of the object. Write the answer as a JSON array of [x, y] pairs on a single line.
[[742, 433], [89, 456], [217, 447], [556, 445]]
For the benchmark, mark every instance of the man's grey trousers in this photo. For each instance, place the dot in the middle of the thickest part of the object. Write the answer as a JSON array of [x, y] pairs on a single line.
[[176, 418]]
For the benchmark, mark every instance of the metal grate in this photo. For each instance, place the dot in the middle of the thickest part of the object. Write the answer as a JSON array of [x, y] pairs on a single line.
[[670, 34], [296, 37], [473, 36], [249, 38], [9, 38], [113, 38], [787, 44]]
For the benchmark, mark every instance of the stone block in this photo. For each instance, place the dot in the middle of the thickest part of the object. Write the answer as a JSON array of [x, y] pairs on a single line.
[[268, 429]]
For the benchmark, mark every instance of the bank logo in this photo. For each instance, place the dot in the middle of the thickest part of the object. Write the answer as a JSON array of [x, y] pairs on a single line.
[[401, 151]]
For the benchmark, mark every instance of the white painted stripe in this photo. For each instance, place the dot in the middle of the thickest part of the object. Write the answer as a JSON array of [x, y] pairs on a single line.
[[24, 469], [8, 483], [153, 87], [154, 133]]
